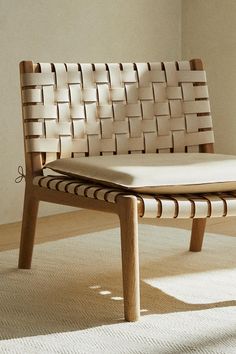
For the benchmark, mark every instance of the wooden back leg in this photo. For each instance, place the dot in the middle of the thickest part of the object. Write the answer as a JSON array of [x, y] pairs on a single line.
[[28, 229], [198, 230], [128, 214]]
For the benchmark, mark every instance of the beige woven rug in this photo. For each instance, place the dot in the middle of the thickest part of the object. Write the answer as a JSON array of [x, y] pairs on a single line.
[[71, 300]]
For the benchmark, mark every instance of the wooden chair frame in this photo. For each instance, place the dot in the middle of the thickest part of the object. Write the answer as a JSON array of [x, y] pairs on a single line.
[[127, 207]]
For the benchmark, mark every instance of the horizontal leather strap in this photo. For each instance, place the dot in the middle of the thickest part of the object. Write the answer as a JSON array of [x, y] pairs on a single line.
[[185, 206]]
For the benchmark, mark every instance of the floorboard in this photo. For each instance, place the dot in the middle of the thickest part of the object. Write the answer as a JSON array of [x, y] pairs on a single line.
[[60, 226]]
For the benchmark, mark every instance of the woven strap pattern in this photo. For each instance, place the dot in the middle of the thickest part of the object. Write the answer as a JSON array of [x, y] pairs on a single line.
[[73, 110], [77, 187], [173, 206]]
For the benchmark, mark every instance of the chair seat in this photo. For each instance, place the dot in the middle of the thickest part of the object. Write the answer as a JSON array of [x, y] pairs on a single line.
[[155, 173], [149, 206]]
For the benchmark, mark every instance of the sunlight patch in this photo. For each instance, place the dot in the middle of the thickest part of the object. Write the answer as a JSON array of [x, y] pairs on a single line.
[[105, 292], [199, 288]]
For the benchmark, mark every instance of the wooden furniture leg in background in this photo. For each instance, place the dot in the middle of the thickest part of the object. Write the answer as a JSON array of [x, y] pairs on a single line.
[[198, 230]]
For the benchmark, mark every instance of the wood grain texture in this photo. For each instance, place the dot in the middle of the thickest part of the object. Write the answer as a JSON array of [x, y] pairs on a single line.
[[197, 235], [130, 256], [28, 229], [54, 196], [33, 161]]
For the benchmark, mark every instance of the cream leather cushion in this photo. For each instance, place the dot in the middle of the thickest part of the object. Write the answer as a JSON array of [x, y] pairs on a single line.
[[155, 173]]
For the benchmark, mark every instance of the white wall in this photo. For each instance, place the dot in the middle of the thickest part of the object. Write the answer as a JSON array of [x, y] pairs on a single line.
[[209, 32], [71, 31]]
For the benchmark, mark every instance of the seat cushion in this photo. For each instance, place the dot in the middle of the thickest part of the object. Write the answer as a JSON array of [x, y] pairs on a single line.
[[155, 173]]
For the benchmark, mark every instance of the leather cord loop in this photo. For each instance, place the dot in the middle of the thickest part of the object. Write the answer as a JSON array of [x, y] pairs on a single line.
[[21, 175]]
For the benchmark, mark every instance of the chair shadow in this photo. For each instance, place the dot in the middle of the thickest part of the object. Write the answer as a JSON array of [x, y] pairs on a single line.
[[76, 304], [163, 303], [71, 297]]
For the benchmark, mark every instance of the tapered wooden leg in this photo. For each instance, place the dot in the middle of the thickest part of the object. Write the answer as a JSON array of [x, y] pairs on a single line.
[[198, 229], [130, 256], [28, 230]]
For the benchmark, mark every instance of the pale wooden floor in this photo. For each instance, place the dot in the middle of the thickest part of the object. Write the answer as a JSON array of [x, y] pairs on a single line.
[[84, 221]]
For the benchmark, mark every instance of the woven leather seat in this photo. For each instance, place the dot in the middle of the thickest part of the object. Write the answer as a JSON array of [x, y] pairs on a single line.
[[80, 111], [149, 206]]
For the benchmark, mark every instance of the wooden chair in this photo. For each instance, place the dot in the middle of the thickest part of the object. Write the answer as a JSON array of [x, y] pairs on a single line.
[[80, 110]]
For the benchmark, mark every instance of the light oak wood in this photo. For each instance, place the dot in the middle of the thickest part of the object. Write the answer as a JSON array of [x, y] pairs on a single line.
[[34, 194], [198, 230], [33, 160], [28, 229], [198, 225], [54, 196], [33, 165], [130, 256]]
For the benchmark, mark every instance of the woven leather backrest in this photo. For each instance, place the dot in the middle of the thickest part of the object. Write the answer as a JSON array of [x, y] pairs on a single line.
[[73, 110]]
